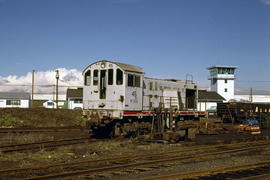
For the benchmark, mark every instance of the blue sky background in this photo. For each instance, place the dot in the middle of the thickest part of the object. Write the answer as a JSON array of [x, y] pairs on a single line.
[[167, 38]]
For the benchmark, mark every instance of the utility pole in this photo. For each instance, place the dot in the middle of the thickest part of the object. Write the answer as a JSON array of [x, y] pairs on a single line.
[[57, 78], [171, 118], [250, 95], [33, 81]]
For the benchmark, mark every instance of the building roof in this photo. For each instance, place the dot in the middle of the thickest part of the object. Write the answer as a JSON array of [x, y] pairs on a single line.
[[75, 93], [125, 67], [221, 66], [14, 95], [209, 96]]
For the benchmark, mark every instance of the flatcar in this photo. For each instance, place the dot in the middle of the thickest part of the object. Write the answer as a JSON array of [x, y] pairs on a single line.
[[236, 112], [119, 99]]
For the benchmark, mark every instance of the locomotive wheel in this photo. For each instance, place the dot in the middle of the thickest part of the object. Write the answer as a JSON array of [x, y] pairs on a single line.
[[102, 131], [116, 130]]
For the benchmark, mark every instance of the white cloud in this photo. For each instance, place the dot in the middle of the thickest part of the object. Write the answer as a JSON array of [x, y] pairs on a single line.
[[44, 81], [240, 91], [267, 2]]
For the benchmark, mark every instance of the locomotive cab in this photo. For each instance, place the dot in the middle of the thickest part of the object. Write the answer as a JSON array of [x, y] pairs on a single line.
[[110, 88]]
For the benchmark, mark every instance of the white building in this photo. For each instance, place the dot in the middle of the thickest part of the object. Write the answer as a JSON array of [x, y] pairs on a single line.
[[255, 98], [222, 80], [51, 97], [207, 100], [75, 98], [49, 104], [14, 100]]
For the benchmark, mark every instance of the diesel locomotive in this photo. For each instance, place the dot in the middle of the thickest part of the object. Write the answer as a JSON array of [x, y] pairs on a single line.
[[119, 100]]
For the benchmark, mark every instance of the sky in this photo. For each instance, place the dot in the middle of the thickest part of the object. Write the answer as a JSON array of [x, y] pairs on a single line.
[[166, 38]]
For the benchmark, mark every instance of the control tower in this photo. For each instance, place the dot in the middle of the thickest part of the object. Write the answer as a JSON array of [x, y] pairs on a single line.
[[222, 80]]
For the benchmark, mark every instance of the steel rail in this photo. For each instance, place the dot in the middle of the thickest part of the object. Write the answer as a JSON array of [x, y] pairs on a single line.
[[44, 144], [41, 129], [140, 164], [197, 174], [261, 176], [134, 165], [85, 163]]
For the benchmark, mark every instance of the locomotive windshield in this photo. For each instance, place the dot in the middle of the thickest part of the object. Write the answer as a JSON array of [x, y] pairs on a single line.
[[102, 84], [110, 77], [87, 78], [119, 77], [95, 80]]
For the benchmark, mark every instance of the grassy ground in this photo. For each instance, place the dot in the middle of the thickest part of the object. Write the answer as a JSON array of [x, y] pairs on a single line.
[[40, 117], [80, 152], [24, 138]]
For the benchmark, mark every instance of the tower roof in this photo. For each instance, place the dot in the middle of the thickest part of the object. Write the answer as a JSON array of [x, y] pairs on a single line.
[[221, 66]]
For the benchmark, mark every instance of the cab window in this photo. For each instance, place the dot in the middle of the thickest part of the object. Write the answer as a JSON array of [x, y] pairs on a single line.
[[130, 80], [119, 77], [110, 77], [87, 78], [134, 80], [95, 80], [150, 85], [137, 81]]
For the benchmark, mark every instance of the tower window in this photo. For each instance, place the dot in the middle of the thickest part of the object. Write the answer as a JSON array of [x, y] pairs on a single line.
[[225, 81], [225, 90]]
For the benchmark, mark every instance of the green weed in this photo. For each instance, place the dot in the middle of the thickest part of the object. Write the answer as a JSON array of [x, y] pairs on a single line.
[[8, 120]]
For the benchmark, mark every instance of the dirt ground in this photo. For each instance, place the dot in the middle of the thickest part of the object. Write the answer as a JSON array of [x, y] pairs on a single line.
[[110, 148], [102, 150]]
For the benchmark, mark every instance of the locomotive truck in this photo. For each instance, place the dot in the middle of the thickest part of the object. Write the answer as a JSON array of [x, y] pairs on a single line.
[[119, 100]]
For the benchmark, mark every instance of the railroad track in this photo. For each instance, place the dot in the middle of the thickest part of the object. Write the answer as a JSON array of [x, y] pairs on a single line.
[[41, 129], [252, 171], [130, 162], [44, 145]]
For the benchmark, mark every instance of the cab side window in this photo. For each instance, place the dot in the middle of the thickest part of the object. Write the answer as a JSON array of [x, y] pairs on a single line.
[[134, 80], [137, 81], [130, 80]]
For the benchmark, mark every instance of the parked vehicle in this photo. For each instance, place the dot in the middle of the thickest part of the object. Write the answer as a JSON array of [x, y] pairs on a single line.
[[238, 111], [249, 126]]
